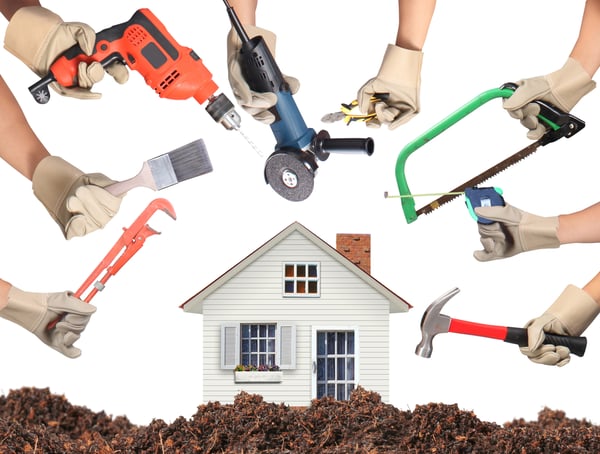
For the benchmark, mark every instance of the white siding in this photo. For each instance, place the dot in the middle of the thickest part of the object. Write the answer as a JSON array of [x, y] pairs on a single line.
[[255, 295]]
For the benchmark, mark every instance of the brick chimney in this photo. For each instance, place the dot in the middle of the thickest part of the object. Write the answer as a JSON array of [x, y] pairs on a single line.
[[356, 247]]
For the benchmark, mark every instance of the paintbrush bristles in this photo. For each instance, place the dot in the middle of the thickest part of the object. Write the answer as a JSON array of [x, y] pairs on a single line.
[[190, 161], [186, 162]]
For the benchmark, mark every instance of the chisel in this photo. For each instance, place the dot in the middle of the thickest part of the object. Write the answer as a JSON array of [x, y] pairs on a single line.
[[185, 162]]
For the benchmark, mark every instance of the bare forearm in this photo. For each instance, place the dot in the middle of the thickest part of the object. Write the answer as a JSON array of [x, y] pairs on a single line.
[[592, 288], [414, 17], [580, 227], [19, 146], [245, 10], [9, 7], [587, 47], [4, 288]]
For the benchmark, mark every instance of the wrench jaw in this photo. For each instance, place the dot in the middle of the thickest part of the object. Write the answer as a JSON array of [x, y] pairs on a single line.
[[434, 323]]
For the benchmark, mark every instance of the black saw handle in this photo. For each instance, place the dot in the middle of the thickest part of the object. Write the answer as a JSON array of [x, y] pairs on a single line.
[[559, 123]]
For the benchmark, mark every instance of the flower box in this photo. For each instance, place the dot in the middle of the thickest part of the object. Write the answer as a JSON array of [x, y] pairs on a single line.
[[255, 376]]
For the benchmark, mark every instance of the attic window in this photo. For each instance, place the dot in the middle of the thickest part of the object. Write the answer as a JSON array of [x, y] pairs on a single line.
[[301, 279]]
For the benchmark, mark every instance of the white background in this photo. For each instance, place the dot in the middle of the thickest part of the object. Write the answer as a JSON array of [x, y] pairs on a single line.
[[142, 355]]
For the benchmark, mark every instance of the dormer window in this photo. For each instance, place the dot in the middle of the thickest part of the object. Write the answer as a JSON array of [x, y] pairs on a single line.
[[301, 279]]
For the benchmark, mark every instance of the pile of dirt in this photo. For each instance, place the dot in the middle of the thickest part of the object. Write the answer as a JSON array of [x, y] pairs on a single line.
[[36, 421]]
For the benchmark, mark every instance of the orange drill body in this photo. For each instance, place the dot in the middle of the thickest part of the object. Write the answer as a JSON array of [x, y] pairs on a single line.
[[144, 45]]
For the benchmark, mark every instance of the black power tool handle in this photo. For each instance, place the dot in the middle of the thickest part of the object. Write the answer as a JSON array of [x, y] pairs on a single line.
[[576, 345]]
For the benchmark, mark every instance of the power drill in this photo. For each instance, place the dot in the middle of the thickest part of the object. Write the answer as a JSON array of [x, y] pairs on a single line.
[[290, 170], [144, 45]]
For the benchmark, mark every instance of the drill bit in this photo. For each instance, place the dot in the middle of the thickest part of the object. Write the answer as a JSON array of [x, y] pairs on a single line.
[[252, 144]]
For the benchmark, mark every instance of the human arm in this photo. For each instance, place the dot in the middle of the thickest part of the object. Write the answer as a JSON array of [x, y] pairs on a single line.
[[257, 104], [565, 87], [33, 311], [19, 145], [37, 36], [570, 315], [9, 7], [399, 75], [76, 201], [514, 230]]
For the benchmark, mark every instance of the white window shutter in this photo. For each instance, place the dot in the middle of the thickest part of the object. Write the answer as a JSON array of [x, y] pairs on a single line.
[[287, 347], [230, 346]]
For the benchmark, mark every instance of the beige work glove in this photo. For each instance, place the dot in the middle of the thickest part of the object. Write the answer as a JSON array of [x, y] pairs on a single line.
[[514, 231], [37, 37], [77, 202], [255, 103], [569, 315], [33, 311], [563, 89], [400, 78]]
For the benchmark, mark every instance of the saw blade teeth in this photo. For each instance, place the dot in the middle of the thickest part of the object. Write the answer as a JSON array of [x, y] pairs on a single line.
[[482, 177]]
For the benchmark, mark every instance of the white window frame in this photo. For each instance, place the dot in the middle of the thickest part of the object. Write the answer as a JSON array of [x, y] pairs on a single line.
[[308, 279], [266, 353]]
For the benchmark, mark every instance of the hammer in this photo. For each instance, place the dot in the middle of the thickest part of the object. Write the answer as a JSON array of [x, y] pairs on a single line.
[[433, 323]]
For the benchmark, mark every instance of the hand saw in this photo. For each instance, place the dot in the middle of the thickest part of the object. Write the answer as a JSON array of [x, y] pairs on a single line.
[[558, 123]]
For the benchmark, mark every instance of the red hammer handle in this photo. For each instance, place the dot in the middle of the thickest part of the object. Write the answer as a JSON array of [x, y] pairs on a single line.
[[518, 336]]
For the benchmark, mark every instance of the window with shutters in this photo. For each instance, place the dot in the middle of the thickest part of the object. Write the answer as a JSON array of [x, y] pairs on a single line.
[[257, 344], [301, 279]]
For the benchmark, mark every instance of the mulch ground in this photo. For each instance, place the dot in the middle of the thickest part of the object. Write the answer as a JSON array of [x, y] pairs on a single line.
[[34, 420]]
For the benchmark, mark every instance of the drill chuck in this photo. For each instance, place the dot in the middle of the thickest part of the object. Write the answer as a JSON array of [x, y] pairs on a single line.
[[221, 109]]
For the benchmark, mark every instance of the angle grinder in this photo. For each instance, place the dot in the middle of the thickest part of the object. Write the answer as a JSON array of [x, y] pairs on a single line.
[[292, 167]]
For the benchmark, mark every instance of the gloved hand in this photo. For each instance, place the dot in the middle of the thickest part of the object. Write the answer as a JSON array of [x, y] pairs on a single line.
[[33, 311], [37, 36], [569, 315], [255, 103], [400, 78], [76, 201], [563, 89], [514, 231]]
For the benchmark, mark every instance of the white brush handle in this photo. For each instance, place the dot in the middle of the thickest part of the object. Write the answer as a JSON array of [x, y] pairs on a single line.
[[142, 179]]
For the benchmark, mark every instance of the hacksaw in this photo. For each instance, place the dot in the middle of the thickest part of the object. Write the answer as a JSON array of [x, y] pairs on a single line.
[[559, 124]]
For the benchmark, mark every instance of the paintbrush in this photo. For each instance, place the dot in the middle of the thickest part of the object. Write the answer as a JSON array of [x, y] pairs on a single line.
[[185, 162]]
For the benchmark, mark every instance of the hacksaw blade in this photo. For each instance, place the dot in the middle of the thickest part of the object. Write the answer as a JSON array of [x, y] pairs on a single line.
[[483, 176]]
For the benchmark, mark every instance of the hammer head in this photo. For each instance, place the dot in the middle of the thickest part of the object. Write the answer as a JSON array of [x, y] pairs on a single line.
[[433, 323]]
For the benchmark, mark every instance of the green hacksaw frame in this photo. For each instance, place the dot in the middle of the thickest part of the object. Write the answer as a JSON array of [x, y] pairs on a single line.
[[408, 201]]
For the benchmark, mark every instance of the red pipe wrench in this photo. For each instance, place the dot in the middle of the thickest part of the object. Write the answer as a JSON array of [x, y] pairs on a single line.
[[131, 240]]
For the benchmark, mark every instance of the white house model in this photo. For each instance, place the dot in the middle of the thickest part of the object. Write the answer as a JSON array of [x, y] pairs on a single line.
[[308, 314]]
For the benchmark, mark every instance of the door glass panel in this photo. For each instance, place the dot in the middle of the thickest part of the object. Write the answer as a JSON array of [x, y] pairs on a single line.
[[341, 368], [321, 370], [321, 344], [350, 368], [341, 343]]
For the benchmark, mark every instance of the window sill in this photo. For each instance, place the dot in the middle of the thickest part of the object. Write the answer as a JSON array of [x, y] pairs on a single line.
[[258, 377]]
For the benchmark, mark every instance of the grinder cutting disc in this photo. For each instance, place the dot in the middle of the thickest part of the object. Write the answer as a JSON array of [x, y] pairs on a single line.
[[291, 173]]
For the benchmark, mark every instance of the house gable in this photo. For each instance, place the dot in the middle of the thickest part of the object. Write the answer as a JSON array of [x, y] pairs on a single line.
[[296, 233]]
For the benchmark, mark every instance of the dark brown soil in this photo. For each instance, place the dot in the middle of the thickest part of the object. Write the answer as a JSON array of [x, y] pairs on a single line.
[[36, 421]]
